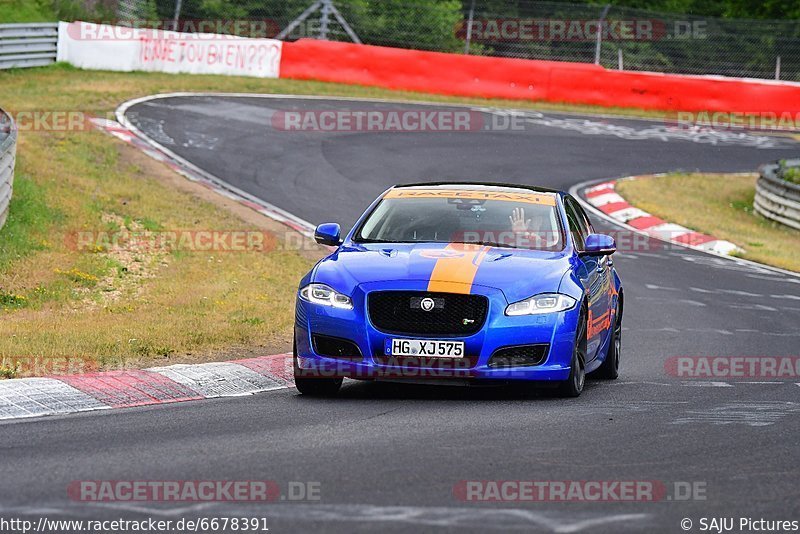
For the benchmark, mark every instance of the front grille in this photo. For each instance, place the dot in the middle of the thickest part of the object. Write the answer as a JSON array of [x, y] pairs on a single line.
[[452, 314], [519, 355], [334, 347]]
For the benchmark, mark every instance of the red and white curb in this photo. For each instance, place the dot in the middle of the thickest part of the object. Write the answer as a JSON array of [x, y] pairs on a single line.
[[32, 397], [605, 198]]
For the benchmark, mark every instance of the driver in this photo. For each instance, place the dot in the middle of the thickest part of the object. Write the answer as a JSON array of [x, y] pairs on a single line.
[[527, 232]]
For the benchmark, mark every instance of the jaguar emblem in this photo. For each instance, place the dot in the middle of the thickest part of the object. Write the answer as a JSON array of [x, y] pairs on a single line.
[[427, 304]]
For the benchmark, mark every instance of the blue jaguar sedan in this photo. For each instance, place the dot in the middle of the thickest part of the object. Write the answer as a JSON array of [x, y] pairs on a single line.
[[461, 283]]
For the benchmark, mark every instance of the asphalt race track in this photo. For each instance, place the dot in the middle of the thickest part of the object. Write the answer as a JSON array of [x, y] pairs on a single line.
[[388, 457]]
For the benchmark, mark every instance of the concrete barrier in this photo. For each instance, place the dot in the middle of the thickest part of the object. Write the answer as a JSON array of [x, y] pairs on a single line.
[[524, 79]]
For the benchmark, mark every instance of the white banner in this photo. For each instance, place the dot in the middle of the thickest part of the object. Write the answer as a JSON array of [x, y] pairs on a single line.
[[104, 47]]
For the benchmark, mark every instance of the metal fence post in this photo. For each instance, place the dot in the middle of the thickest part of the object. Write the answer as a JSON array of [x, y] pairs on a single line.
[[325, 19], [600, 34], [344, 24], [778, 68], [299, 20], [326, 7], [469, 25], [176, 18]]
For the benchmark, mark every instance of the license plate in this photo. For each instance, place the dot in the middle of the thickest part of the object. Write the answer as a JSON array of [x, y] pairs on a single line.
[[424, 347]]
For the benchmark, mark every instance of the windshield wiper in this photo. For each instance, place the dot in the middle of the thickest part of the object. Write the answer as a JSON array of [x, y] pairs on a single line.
[[379, 241], [488, 244], [480, 243]]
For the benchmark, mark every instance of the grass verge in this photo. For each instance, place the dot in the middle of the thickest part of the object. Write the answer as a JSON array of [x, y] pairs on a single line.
[[720, 205]]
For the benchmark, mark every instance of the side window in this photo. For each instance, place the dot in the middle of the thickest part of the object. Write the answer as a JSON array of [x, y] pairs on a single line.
[[577, 224], [586, 222]]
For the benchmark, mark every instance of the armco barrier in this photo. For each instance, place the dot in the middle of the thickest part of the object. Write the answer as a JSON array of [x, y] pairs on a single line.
[[28, 44], [776, 198], [8, 150], [552, 81]]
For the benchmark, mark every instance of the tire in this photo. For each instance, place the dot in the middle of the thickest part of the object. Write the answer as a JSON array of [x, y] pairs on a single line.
[[609, 369], [314, 386], [573, 386]]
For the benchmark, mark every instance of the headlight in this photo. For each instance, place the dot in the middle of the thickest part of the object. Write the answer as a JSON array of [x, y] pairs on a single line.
[[544, 303], [325, 296]]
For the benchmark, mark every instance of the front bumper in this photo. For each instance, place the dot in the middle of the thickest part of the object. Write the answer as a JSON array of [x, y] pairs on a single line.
[[555, 329]]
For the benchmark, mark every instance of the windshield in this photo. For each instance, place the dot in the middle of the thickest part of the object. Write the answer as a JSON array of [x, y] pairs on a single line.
[[503, 219]]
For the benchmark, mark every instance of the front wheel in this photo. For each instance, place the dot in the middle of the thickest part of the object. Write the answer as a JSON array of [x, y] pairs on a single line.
[[314, 386], [573, 386]]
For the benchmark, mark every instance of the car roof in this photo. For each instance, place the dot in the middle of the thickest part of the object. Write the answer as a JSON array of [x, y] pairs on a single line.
[[482, 186]]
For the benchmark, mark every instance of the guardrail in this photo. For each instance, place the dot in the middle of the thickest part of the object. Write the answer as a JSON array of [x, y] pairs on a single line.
[[28, 44], [8, 152], [776, 198]]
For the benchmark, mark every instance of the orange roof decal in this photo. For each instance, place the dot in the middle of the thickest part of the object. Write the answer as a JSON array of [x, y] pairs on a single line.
[[547, 199]]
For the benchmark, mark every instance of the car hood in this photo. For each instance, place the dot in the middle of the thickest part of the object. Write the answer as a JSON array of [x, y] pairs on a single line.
[[518, 273]]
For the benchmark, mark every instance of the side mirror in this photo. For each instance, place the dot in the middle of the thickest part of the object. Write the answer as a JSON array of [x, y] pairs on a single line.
[[328, 234], [599, 245]]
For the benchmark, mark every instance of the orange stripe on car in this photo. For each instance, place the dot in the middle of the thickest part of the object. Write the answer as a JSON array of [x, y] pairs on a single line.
[[455, 271], [598, 324]]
